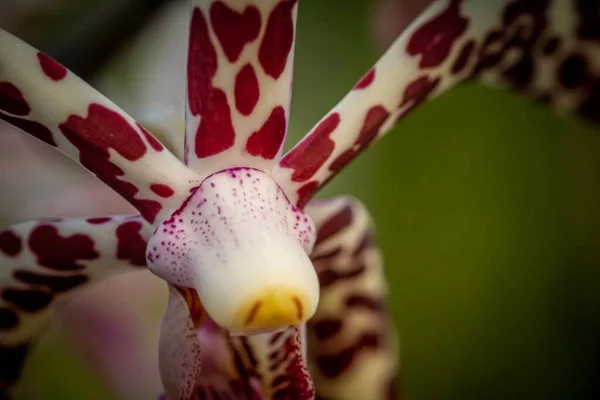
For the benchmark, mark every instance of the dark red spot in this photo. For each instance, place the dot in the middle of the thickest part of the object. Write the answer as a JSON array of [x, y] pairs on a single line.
[[325, 256], [332, 365], [247, 91], [28, 300], [275, 338], [488, 55], [280, 380], [54, 283], [12, 100], [366, 80], [278, 39], [34, 128], [329, 277], [8, 318], [12, 363], [573, 72], [100, 131], [336, 223], [131, 245], [463, 57], [551, 46], [434, 39], [267, 141], [326, 328], [162, 190], [60, 253], [202, 63], [10, 243], [311, 153], [417, 92], [98, 220], [366, 241], [52, 68], [234, 29], [374, 118], [365, 302], [215, 132], [248, 351], [306, 192], [152, 141]]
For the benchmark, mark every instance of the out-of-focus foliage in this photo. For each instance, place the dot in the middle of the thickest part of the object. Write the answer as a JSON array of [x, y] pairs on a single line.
[[488, 212]]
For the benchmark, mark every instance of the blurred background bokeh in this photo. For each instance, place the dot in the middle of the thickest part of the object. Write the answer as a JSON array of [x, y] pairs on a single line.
[[487, 209]]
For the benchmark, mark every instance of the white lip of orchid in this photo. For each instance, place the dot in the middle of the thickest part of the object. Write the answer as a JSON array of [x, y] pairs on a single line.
[[244, 247]]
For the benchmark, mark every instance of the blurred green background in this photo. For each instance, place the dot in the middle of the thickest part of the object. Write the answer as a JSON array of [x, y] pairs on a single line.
[[488, 213]]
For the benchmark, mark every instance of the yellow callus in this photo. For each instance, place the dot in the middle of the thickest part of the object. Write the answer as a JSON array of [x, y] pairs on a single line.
[[274, 308]]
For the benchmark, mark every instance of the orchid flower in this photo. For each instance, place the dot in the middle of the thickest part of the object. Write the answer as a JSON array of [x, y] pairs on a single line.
[[265, 285]]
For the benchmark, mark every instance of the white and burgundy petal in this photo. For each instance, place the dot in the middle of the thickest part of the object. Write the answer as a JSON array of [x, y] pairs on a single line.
[[44, 99], [546, 49], [239, 242], [352, 343], [179, 350], [277, 362], [197, 359], [42, 261], [239, 77], [223, 373]]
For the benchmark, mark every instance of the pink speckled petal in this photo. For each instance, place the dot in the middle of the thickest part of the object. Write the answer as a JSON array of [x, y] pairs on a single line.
[[179, 350], [238, 235]]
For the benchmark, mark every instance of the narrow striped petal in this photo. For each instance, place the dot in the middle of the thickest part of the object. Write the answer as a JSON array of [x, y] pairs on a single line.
[[278, 361], [352, 343], [42, 261], [44, 99], [239, 77], [223, 374], [546, 49]]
